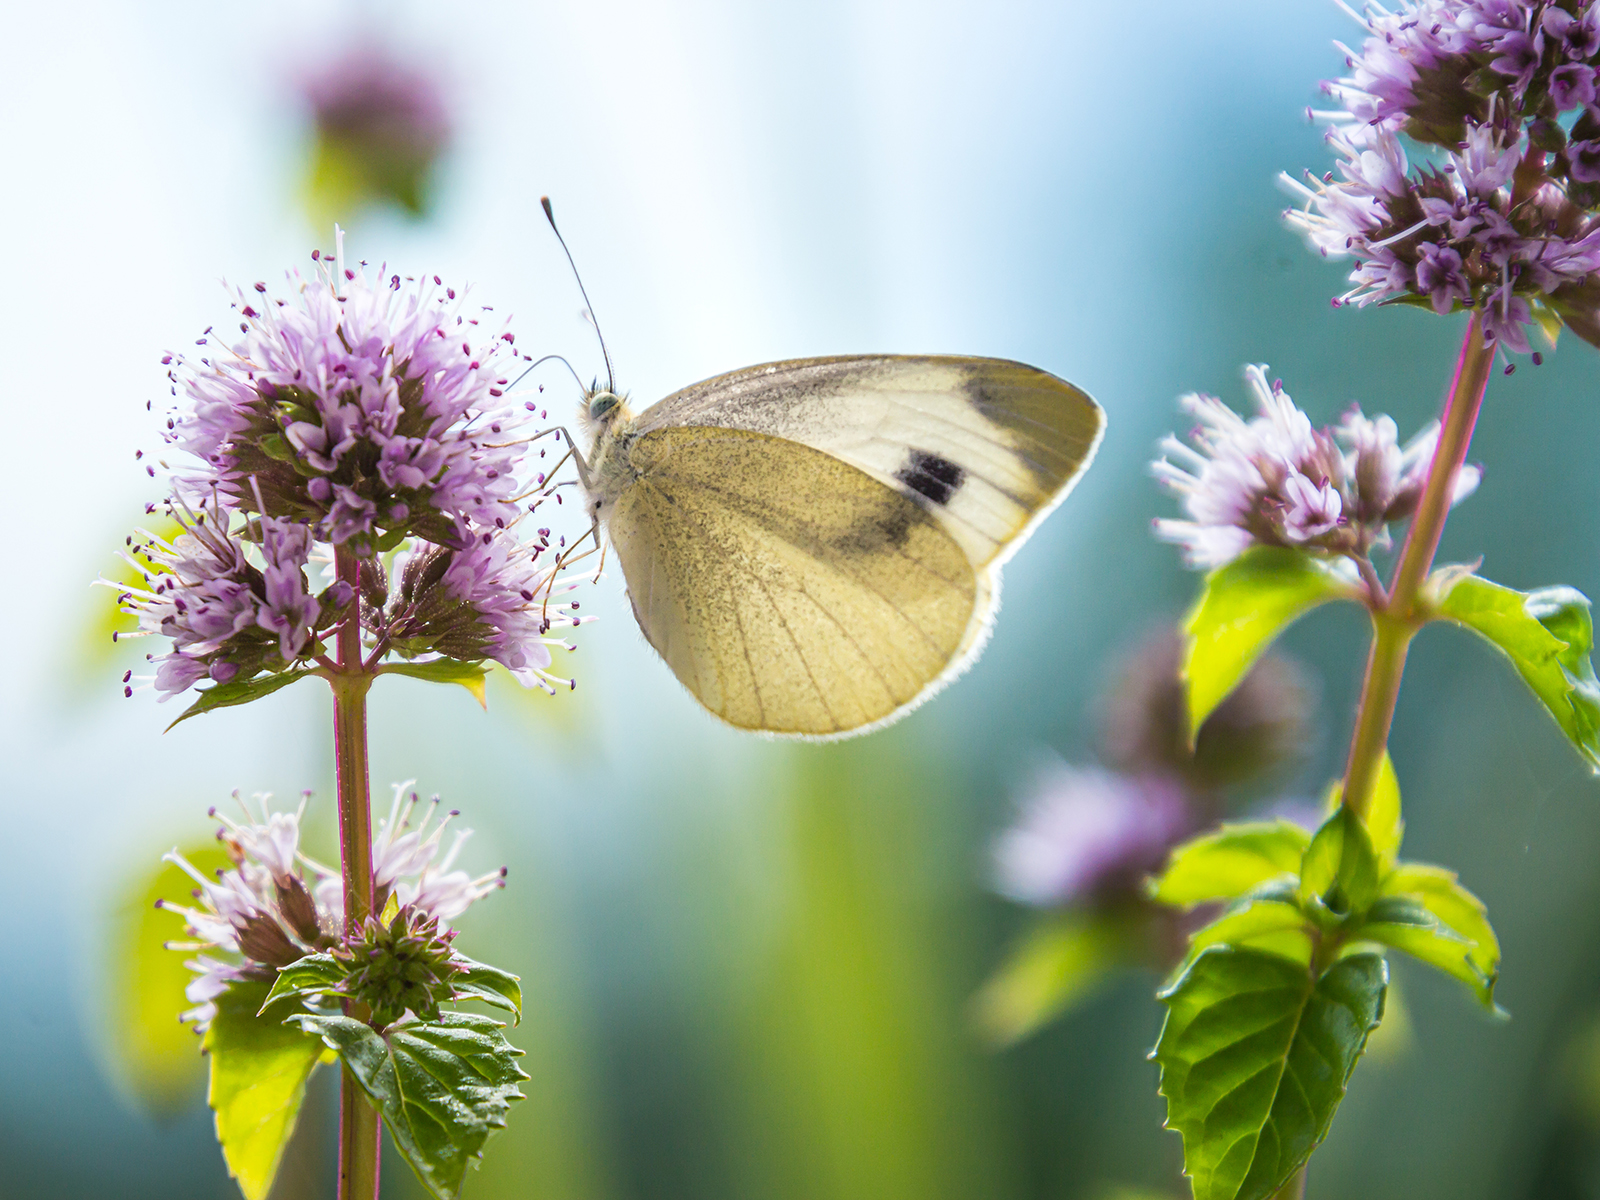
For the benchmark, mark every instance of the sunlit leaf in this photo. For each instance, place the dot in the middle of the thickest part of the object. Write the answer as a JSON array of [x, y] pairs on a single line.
[[470, 675], [1406, 924], [1254, 1061], [1340, 868], [1058, 962], [1242, 608], [480, 981], [1231, 861], [153, 1055], [1384, 825], [307, 977], [226, 695], [1548, 635], [442, 1086], [259, 1068], [1275, 926], [1457, 910]]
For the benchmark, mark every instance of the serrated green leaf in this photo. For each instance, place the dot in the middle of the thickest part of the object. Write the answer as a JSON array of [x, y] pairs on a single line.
[[1231, 861], [1059, 961], [306, 977], [470, 675], [442, 1086], [227, 695], [1405, 923], [1242, 608], [1455, 908], [1340, 868], [1274, 926], [259, 1068], [1254, 1061], [480, 981], [1548, 636]]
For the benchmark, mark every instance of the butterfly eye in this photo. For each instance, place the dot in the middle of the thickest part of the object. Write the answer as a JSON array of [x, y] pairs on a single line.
[[600, 404]]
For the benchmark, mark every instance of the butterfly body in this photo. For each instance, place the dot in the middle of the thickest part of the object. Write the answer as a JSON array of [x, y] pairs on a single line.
[[814, 546]]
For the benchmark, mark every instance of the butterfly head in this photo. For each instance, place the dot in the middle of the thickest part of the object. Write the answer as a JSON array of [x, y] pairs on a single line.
[[601, 405]]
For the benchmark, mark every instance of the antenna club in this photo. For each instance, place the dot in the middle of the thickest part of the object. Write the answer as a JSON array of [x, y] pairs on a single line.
[[549, 214]]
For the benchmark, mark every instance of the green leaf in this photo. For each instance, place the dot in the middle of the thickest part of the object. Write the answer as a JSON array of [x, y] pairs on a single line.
[[1242, 608], [154, 1058], [1339, 868], [1456, 909], [1254, 1061], [480, 981], [1230, 862], [1058, 962], [470, 675], [259, 1068], [1547, 635], [1384, 826], [306, 977], [1406, 924], [442, 1086], [226, 695], [1275, 926]]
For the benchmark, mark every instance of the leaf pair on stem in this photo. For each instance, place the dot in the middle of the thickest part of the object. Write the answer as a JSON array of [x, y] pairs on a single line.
[[1274, 1002]]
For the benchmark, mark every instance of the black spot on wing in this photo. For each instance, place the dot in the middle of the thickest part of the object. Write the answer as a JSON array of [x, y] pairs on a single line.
[[930, 476]]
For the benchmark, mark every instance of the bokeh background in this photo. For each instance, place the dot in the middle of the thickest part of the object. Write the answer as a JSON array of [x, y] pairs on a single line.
[[750, 965]]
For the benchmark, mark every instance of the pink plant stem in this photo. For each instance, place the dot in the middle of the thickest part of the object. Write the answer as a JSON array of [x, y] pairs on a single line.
[[359, 1124], [1396, 620], [1294, 1189]]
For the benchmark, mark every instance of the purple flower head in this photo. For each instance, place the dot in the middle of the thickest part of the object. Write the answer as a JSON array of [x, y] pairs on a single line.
[[364, 423], [1086, 832], [490, 599], [275, 905], [382, 122], [1439, 276], [407, 864], [1572, 86], [232, 596], [1519, 55], [368, 411], [1487, 83], [1506, 320], [1276, 481]]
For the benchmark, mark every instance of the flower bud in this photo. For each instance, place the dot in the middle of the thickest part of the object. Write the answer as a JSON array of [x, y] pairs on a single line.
[[404, 966]]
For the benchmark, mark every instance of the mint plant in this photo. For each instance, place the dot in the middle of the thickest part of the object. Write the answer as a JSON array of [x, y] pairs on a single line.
[[349, 483], [1278, 992]]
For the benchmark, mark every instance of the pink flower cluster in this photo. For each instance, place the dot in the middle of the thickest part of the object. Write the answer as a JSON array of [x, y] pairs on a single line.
[[1275, 480], [361, 418], [274, 905], [1501, 215]]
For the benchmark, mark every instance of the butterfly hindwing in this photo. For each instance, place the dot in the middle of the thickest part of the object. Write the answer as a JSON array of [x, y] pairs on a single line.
[[787, 589]]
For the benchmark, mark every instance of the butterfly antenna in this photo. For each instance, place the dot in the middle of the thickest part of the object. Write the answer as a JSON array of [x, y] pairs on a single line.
[[549, 215], [534, 366]]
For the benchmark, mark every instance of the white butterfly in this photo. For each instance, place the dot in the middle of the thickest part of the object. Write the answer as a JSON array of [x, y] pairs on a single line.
[[815, 546]]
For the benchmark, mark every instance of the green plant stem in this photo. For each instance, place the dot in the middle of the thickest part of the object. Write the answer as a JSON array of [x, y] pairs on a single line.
[[1295, 1189], [359, 1125], [1397, 619]]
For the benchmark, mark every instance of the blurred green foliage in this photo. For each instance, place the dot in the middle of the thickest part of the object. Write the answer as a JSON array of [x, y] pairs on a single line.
[[156, 1060]]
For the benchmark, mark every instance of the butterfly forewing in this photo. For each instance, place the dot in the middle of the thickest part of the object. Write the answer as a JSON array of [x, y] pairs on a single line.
[[789, 590], [986, 445]]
